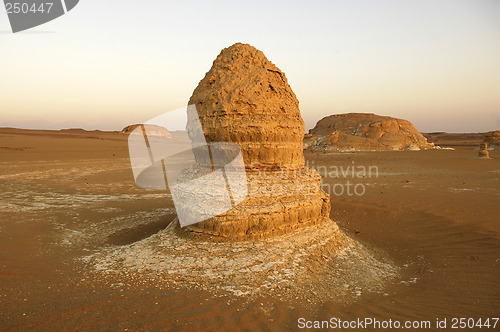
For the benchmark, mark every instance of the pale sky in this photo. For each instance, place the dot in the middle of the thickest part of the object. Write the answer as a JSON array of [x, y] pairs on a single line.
[[107, 64]]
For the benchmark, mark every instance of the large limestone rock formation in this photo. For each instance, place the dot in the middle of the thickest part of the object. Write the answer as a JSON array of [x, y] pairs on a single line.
[[365, 131], [245, 99]]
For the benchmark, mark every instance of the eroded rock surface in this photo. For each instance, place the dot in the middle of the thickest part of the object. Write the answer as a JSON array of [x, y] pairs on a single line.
[[246, 99]]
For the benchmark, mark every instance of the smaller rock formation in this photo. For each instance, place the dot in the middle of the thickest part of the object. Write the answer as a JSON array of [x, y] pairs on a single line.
[[364, 132], [152, 130], [483, 151]]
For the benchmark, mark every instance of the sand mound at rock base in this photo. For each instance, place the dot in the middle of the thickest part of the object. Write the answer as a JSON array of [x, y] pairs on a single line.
[[318, 263]]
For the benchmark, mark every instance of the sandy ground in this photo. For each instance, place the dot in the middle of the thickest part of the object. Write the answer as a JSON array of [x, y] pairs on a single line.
[[83, 248]]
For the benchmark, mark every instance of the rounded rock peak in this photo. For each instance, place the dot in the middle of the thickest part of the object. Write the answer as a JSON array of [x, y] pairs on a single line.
[[245, 99]]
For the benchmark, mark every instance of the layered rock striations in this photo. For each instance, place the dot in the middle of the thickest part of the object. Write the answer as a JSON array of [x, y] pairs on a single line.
[[365, 131], [245, 99]]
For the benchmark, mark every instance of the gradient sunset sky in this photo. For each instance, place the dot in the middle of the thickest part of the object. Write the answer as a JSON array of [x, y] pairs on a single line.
[[107, 64]]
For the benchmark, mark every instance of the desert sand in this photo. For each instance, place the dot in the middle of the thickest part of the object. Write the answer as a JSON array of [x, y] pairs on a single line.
[[429, 221]]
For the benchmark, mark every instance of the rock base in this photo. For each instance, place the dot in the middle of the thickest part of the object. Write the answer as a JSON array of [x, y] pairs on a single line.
[[278, 201]]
